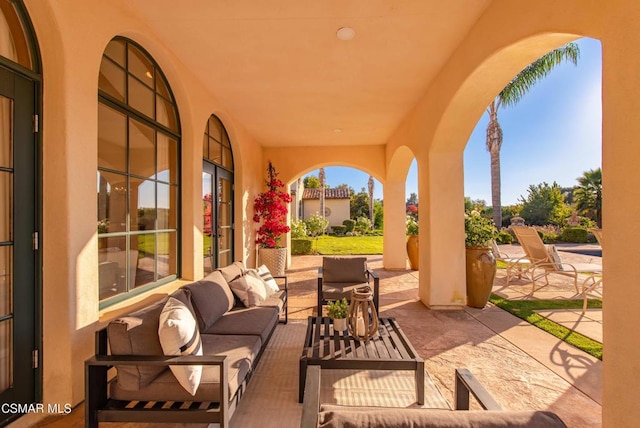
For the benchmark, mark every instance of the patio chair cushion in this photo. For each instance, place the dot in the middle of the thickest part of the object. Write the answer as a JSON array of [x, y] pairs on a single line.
[[344, 269], [211, 298], [332, 416], [179, 335], [554, 257]]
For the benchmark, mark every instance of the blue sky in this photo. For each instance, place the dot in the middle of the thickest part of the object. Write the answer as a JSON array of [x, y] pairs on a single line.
[[553, 134]]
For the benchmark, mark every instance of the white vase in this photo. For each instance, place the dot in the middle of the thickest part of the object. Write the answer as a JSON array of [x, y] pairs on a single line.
[[275, 259], [339, 324]]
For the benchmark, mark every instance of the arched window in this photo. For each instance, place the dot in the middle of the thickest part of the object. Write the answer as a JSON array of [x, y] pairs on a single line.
[[15, 38], [217, 196], [138, 173]]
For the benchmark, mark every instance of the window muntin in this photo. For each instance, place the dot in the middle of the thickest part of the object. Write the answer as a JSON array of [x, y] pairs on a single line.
[[216, 147], [14, 43], [138, 176], [217, 196]]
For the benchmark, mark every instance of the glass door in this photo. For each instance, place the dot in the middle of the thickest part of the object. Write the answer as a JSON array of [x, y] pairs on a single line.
[[217, 211], [18, 262]]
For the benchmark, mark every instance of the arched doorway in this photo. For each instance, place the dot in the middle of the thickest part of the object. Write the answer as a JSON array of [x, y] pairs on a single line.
[[217, 196], [20, 83]]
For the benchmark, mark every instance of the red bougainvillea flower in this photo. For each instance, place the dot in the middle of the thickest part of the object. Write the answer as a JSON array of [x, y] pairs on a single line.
[[271, 211]]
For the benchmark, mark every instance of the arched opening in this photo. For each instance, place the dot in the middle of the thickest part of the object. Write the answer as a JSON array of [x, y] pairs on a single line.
[[551, 138], [345, 199]]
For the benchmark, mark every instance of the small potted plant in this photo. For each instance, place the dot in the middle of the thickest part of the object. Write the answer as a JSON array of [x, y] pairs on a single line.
[[338, 311], [480, 261]]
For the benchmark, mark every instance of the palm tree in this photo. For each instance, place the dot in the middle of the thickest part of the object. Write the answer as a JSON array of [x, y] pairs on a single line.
[[588, 195], [510, 95]]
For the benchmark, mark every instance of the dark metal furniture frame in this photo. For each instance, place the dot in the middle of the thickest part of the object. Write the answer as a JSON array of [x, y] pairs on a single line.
[[389, 350], [285, 299], [100, 408], [465, 383]]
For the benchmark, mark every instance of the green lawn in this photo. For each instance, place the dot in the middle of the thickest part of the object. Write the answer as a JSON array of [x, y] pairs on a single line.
[[146, 243], [524, 309], [341, 245]]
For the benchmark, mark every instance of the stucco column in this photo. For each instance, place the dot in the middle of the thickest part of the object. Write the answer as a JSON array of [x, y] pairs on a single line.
[[441, 196], [394, 240], [621, 205]]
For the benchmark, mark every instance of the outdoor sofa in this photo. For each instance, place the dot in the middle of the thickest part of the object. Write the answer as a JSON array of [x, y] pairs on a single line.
[[144, 389], [315, 414]]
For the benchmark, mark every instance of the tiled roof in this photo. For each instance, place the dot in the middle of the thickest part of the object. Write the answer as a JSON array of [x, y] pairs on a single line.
[[337, 193]]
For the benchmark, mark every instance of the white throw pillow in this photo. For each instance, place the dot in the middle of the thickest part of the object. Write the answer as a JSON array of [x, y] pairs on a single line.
[[264, 273], [179, 335], [249, 289]]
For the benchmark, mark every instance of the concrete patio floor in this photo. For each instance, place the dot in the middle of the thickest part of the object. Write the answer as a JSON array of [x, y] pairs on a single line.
[[520, 365]]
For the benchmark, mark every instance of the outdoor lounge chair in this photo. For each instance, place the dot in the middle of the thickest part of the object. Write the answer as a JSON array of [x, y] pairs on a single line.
[[515, 265], [546, 260], [593, 288], [338, 276]]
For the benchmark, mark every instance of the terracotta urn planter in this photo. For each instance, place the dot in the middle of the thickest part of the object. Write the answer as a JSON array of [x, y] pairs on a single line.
[[481, 270], [412, 251]]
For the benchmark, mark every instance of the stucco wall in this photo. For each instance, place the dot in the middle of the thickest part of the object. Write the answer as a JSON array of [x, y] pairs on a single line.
[[72, 36], [340, 209]]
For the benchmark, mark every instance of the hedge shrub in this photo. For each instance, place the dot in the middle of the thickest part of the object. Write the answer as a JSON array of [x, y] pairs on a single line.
[[574, 234], [300, 246], [350, 224], [504, 237], [339, 230]]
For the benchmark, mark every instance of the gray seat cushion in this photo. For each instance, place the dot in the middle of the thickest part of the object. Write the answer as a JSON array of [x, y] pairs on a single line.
[[337, 416], [211, 297], [257, 320], [276, 300], [241, 352], [336, 291], [344, 269]]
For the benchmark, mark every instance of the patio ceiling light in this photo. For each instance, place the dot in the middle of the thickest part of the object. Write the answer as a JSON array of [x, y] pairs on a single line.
[[346, 33]]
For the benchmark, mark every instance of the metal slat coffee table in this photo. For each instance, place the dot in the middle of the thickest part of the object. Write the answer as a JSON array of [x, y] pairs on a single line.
[[388, 350]]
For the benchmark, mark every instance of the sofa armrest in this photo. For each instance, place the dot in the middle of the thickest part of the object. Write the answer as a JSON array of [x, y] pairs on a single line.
[[467, 383], [311, 404], [286, 281], [96, 383]]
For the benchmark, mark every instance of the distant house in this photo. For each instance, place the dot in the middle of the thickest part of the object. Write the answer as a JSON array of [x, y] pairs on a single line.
[[336, 204]]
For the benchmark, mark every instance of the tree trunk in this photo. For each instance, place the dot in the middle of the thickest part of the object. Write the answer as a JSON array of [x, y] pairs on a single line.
[[370, 185], [494, 143]]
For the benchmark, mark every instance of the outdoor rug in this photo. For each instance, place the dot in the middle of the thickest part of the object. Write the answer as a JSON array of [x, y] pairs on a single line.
[[271, 399]]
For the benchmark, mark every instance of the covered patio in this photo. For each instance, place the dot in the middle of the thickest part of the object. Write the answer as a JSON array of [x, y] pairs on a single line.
[[520, 365], [276, 82]]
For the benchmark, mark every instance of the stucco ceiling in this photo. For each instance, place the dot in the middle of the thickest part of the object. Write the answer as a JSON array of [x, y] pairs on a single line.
[[278, 68]]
